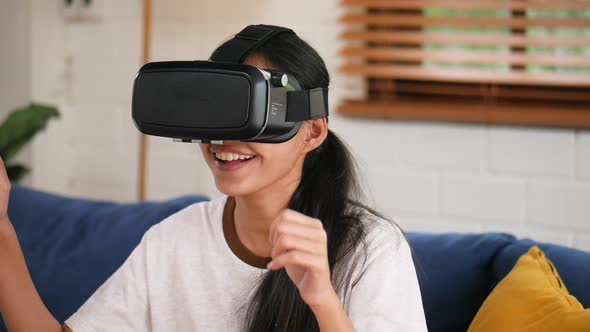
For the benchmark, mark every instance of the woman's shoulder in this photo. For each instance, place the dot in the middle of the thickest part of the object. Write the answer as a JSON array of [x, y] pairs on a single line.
[[380, 233], [382, 244]]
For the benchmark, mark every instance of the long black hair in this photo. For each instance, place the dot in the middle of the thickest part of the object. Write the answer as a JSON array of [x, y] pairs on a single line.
[[328, 191]]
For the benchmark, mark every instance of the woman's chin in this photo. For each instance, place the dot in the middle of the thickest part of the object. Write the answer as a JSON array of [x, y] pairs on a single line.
[[231, 188]]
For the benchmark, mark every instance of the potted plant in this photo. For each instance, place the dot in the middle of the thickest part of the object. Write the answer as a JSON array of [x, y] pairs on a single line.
[[17, 131]]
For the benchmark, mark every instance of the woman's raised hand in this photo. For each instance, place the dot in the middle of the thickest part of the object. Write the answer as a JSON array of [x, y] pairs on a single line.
[[299, 244], [4, 194], [20, 304]]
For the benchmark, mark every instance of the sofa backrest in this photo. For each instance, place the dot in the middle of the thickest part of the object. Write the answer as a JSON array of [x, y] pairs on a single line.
[[73, 245], [455, 274], [458, 271]]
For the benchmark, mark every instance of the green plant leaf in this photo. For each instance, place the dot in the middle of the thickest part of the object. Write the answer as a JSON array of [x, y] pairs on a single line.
[[21, 126], [16, 172]]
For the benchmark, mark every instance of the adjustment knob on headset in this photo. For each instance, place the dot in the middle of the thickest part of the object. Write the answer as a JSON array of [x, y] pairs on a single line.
[[279, 79]]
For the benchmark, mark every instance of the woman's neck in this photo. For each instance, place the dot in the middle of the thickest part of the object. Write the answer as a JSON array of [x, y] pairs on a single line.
[[255, 213]]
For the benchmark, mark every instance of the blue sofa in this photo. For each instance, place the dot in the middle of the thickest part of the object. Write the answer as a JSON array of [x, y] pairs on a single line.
[[72, 246]]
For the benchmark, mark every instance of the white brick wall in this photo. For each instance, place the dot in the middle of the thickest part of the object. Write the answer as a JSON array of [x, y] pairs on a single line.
[[559, 204], [14, 69], [529, 152], [428, 177], [583, 155], [582, 241], [87, 69], [483, 199], [410, 193], [456, 147], [15, 78]]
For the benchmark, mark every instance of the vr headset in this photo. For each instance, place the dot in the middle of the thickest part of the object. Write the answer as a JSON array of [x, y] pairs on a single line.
[[222, 99]]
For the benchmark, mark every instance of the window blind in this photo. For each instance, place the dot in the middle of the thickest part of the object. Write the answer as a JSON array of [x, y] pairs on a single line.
[[491, 61]]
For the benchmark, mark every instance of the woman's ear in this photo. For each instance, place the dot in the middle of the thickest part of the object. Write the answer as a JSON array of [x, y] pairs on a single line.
[[316, 134]]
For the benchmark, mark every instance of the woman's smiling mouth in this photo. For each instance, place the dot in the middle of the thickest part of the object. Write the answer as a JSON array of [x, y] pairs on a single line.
[[228, 160], [229, 156]]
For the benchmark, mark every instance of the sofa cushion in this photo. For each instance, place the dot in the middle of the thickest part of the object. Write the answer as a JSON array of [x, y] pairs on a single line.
[[455, 274], [531, 298], [573, 265], [73, 245]]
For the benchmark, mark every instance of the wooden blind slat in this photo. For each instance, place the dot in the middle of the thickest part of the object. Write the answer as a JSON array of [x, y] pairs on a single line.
[[418, 38], [418, 21], [467, 75], [461, 56], [485, 92], [472, 4], [460, 111]]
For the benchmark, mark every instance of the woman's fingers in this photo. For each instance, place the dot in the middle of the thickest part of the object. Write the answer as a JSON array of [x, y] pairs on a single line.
[[300, 231], [4, 181], [298, 258], [4, 190], [294, 231], [287, 242], [292, 222], [297, 240]]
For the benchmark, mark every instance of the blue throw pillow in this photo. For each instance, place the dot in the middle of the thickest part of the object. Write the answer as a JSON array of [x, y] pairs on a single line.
[[72, 245], [573, 265], [454, 271]]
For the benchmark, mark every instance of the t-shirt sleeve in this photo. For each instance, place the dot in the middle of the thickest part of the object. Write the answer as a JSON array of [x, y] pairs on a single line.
[[387, 296], [121, 303]]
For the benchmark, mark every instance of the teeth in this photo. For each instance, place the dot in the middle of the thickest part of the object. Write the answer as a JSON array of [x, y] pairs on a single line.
[[226, 156]]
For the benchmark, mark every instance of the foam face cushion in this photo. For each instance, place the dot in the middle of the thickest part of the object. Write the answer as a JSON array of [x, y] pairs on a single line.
[[532, 297]]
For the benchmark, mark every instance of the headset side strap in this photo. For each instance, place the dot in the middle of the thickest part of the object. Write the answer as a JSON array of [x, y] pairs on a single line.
[[307, 104]]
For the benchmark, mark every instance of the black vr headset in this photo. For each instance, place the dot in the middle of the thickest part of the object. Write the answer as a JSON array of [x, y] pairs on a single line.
[[222, 99]]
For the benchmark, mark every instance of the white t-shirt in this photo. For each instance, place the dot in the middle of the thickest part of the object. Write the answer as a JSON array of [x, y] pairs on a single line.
[[183, 276]]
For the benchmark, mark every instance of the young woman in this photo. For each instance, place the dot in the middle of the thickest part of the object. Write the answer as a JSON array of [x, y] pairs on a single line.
[[289, 248]]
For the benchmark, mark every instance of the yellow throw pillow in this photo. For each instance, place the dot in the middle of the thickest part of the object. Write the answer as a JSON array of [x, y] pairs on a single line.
[[532, 297]]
